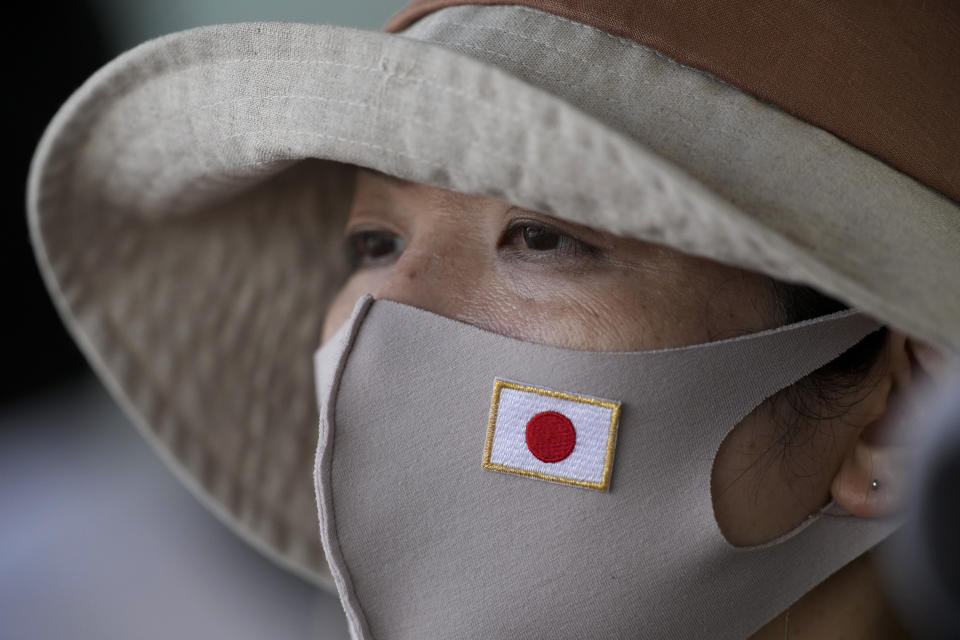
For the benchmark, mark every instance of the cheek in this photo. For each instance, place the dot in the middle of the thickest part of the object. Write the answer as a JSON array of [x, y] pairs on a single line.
[[609, 312], [773, 470], [557, 314], [574, 320]]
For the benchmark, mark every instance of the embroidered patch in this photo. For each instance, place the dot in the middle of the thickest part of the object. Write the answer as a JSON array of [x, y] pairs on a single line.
[[552, 435]]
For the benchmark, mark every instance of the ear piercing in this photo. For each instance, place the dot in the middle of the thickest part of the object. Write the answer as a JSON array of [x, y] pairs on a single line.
[[874, 485]]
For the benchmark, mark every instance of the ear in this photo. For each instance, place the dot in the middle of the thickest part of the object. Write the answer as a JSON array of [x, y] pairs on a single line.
[[871, 474]]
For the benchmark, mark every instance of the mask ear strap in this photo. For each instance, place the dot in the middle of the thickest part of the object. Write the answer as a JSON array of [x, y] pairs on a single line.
[[741, 372]]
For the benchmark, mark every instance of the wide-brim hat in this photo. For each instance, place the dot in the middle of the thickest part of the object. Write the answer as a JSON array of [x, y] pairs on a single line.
[[185, 203]]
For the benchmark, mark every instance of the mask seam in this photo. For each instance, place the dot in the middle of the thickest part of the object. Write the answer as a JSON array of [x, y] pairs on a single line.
[[848, 316], [359, 629]]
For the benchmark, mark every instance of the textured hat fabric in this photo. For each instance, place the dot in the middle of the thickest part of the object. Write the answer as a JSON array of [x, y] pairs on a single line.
[[882, 77], [186, 205]]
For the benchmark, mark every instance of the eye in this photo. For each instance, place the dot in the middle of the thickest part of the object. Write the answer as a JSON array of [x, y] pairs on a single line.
[[540, 238], [529, 236], [366, 248]]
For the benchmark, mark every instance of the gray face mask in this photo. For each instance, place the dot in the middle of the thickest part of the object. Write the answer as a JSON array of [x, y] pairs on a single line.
[[435, 441]]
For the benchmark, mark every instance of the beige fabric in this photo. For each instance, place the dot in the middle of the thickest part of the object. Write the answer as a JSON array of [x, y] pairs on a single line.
[[476, 553], [197, 285]]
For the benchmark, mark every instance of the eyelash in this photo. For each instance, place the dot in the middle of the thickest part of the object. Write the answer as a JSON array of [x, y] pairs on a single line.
[[366, 248], [359, 252], [559, 244]]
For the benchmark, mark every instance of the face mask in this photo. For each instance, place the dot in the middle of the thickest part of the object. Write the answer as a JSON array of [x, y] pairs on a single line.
[[471, 485]]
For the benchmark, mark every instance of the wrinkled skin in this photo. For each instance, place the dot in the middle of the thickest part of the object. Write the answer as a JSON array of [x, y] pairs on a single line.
[[529, 276]]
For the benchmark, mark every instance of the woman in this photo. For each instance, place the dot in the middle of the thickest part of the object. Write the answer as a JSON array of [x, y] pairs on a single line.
[[590, 245], [520, 273]]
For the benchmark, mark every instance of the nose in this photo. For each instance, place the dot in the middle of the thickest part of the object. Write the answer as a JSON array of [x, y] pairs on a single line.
[[438, 273]]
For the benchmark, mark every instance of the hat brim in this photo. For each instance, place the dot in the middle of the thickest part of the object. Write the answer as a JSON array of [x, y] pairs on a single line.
[[194, 269]]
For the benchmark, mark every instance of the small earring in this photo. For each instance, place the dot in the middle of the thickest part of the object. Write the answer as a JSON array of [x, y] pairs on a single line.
[[875, 485]]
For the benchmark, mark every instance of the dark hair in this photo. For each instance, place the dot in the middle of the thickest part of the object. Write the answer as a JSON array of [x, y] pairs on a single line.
[[830, 391]]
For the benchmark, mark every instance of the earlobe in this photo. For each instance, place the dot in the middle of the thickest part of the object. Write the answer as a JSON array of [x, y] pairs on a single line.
[[869, 481]]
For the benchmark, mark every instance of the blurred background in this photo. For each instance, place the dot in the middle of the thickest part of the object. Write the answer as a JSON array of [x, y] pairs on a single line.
[[97, 538]]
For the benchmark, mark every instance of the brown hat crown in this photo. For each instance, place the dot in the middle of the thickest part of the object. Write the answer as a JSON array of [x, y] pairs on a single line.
[[885, 77]]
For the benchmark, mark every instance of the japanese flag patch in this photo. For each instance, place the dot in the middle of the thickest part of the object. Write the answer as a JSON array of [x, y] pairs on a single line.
[[551, 435]]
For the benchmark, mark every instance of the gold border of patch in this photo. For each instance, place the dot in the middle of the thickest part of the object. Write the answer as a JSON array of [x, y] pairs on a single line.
[[499, 385]]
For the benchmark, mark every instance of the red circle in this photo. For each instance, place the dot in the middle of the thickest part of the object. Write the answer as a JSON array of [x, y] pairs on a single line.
[[551, 436]]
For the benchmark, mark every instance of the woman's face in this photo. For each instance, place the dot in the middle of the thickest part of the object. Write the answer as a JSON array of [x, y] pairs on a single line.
[[530, 276], [524, 274]]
